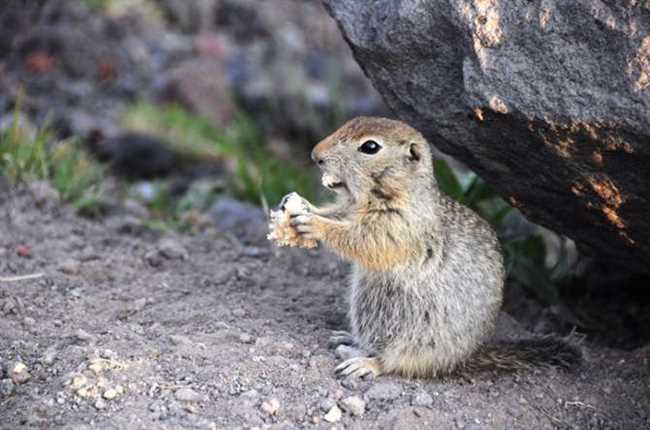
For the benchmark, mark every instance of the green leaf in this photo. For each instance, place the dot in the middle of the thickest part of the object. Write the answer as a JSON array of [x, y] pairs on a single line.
[[535, 249], [447, 180]]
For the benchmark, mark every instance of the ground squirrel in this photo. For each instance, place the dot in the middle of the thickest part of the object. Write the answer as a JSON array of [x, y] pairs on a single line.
[[427, 274]]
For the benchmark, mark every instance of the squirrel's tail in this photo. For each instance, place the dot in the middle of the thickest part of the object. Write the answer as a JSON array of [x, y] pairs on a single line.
[[525, 354]]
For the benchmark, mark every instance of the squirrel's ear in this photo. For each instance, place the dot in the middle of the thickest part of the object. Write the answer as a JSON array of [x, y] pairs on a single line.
[[415, 152]]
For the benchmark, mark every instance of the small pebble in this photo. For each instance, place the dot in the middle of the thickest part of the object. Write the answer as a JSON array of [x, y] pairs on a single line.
[[327, 404], [43, 193], [109, 354], [354, 404], [333, 415], [110, 394], [172, 250], [24, 251], [245, 338], [271, 406], [135, 208], [70, 267], [250, 394], [78, 382], [7, 388], [179, 339], [96, 365], [239, 313], [100, 404], [384, 391], [153, 258], [82, 335], [188, 395], [422, 399], [18, 373]]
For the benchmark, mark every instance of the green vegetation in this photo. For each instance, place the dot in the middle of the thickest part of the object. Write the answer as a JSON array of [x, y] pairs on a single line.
[[151, 11], [95, 4], [29, 154], [99, 5], [475, 193], [254, 173]]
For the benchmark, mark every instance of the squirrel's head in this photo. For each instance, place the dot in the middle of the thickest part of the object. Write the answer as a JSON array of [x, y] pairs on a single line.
[[371, 156]]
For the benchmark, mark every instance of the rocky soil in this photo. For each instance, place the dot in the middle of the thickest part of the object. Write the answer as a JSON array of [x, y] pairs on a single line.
[[126, 327]]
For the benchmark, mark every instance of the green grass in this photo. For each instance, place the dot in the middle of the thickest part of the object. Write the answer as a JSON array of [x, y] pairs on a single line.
[[30, 154], [95, 4], [148, 10], [254, 173], [474, 193]]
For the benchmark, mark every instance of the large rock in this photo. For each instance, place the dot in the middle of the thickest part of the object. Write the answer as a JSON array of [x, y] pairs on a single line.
[[549, 101]]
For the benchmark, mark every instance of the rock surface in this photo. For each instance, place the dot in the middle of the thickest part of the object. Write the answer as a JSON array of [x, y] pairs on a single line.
[[354, 404], [549, 101]]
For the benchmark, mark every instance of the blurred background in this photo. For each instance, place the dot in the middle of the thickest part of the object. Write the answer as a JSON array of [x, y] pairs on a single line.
[[186, 114]]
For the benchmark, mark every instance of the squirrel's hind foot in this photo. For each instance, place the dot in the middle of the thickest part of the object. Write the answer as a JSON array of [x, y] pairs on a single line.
[[341, 337], [358, 367]]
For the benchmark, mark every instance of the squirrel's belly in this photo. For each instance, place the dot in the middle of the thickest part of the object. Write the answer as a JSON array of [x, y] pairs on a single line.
[[418, 329], [384, 312]]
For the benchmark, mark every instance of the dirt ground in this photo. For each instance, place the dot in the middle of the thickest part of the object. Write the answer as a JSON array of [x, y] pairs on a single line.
[[133, 329]]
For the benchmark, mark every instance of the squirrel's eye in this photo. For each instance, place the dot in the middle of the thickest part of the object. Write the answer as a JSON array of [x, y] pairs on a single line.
[[369, 147]]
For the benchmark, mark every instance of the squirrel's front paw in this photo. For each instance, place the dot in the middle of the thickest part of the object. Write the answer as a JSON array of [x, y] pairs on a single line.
[[306, 226]]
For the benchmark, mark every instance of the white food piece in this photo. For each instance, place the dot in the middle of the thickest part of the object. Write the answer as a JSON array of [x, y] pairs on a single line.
[[281, 231], [295, 205]]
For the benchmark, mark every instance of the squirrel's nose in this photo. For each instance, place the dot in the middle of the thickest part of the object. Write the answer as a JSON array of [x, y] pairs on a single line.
[[316, 159]]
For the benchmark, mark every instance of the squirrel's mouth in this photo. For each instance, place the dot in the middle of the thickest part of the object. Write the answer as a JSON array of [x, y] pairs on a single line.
[[332, 182]]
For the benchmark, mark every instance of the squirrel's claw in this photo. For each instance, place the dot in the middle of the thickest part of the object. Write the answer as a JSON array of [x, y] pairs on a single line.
[[358, 367]]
